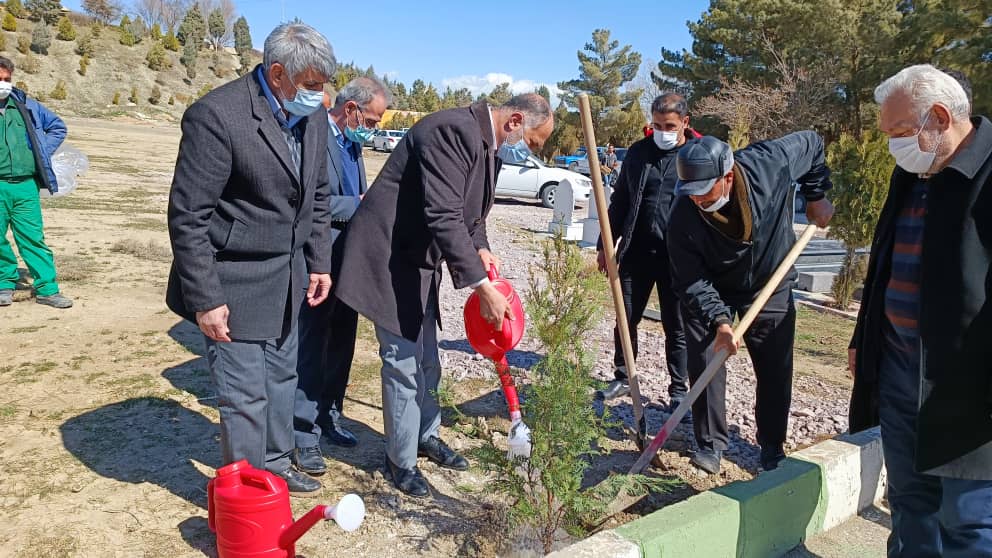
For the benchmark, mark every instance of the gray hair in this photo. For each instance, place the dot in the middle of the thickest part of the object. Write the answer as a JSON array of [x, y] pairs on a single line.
[[362, 90], [670, 102], [926, 86], [7, 64], [297, 46], [535, 108]]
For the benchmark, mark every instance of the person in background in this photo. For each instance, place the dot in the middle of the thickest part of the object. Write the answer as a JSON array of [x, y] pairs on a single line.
[[642, 199], [920, 350], [610, 165], [31, 134], [328, 331]]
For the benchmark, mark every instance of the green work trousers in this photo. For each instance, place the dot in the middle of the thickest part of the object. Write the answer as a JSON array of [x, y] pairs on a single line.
[[20, 210]]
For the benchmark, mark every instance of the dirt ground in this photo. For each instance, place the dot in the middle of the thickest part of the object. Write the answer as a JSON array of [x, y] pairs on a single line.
[[108, 425]]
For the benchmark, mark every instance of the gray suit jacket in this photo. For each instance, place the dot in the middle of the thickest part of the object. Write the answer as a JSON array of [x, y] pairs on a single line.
[[245, 227], [342, 206], [428, 204]]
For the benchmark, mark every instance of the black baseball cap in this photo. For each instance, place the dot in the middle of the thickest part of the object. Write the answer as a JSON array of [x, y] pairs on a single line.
[[700, 163]]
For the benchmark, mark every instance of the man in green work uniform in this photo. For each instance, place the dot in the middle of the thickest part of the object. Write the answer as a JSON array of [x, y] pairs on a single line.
[[29, 136]]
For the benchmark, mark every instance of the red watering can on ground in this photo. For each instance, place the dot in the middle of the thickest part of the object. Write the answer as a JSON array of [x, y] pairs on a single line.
[[494, 343], [249, 511]]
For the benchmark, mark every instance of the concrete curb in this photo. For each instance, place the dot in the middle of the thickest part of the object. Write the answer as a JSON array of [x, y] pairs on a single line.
[[812, 491]]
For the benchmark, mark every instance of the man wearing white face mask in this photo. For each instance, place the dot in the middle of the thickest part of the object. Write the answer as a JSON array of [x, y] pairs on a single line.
[[30, 135], [920, 350], [249, 219], [729, 229], [639, 207]]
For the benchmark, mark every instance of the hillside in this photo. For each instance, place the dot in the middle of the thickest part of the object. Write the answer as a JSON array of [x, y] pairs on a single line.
[[114, 68]]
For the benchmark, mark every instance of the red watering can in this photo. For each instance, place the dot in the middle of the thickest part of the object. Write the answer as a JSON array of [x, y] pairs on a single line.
[[494, 343], [249, 511]]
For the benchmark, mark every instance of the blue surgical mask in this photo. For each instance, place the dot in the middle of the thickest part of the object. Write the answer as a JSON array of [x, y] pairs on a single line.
[[360, 134], [514, 153], [305, 103]]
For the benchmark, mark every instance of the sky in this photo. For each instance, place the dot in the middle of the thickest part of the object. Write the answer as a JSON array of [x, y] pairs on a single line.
[[475, 44]]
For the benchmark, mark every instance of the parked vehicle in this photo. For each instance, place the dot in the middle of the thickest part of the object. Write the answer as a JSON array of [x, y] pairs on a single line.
[[369, 142], [571, 162], [534, 179], [387, 140], [582, 166]]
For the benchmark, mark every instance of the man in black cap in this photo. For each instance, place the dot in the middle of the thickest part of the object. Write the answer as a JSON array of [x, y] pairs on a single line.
[[730, 227]]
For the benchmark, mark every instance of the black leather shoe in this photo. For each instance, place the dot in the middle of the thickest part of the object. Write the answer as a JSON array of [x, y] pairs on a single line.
[[299, 483], [309, 460], [771, 457], [614, 389], [339, 436], [408, 481], [707, 459], [439, 452]]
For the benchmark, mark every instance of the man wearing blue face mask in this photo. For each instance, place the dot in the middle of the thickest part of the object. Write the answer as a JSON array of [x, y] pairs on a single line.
[[328, 331], [919, 354], [729, 229], [427, 206], [250, 224]]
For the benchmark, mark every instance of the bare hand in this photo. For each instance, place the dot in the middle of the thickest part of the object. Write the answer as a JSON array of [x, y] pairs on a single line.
[[725, 340], [488, 259], [819, 212], [320, 287], [601, 261], [493, 305], [213, 323], [852, 355]]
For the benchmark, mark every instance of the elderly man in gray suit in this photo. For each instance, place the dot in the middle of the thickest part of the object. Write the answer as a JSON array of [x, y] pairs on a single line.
[[429, 205], [249, 218], [328, 331]]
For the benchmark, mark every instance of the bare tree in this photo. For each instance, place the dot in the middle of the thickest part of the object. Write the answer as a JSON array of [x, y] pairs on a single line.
[[103, 11], [173, 12], [648, 87], [801, 98], [230, 12], [150, 11]]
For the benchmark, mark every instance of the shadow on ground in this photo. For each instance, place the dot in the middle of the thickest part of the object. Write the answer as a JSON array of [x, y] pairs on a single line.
[[146, 439]]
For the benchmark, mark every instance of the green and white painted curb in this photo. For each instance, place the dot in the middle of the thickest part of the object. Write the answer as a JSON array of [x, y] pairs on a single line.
[[812, 491]]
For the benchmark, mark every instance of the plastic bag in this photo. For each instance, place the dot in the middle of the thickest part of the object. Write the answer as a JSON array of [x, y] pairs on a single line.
[[69, 164]]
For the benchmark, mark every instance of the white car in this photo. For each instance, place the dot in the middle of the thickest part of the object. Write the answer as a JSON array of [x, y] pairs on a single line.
[[387, 140], [534, 179]]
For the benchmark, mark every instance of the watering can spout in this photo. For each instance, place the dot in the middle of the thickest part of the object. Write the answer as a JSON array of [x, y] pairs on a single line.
[[348, 514]]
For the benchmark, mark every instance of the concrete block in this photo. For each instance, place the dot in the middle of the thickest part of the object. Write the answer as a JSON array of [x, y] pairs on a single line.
[[605, 544], [816, 281], [853, 471], [704, 525]]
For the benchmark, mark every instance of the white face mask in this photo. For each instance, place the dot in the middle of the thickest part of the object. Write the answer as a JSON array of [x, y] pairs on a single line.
[[665, 140], [5, 88], [719, 203], [908, 154]]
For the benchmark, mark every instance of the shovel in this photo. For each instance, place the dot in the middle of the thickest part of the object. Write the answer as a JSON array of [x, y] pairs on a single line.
[[494, 343], [606, 235], [623, 500]]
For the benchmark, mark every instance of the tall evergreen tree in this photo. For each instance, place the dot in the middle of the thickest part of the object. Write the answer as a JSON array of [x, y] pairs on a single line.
[[48, 11], [193, 29], [217, 27], [604, 66], [41, 39], [188, 59], [242, 42]]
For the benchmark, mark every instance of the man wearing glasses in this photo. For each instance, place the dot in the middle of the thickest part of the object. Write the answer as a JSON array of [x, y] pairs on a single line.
[[327, 332]]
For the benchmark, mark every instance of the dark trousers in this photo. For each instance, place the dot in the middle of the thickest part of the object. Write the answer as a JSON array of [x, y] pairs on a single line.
[[327, 347], [255, 382], [769, 343], [931, 516], [640, 273]]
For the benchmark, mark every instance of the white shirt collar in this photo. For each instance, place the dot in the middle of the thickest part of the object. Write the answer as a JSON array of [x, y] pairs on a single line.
[[492, 125]]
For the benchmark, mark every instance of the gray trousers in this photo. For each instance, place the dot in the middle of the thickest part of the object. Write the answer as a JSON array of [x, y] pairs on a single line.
[[255, 382], [411, 371]]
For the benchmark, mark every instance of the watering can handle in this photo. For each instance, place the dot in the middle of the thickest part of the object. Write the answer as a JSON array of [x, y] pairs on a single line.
[[493, 273]]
